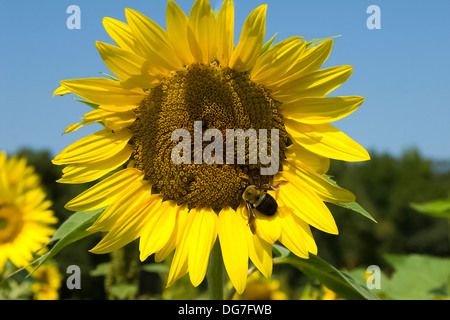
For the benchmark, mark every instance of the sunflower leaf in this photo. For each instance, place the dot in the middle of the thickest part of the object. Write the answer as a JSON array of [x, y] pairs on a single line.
[[316, 42], [342, 284], [90, 104], [430, 273], [437, 208], [73, 229], [280, 251], [268, 44], [156, 268], [110, 76], [354, 206]]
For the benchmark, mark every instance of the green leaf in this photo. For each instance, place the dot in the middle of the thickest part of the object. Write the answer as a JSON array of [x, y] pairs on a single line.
[[110, 76], [73, 229], [90, 104], [156, 268], [268, 44], [280, 251], [417, 277], [316, 42], [216, 14], [123, 291], [101, 269], [354, 206], [438, 208], [359, 275], [335, 280]]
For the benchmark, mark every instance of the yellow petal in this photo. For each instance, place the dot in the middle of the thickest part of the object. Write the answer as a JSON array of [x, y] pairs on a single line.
[[120, 32], [98, 146], [117, 121], [117, 109], [104, 192], [251, 40], [86, 172], [155, 43], [158, 229], [170, 245], [131, 68], [311, 60], [326, 140], [89, 118], [179, 266], [202, 236], [301, 175], [296, 152], [314, 84], [131, 199], [128, 228], [267, 228], [260, 252], [296, 234], [308, 207], [61, 91], [279, 59], [232, 230], [320, 110], [225, 33], [104, 91], [201, 32], [177, 21], [167, 249]]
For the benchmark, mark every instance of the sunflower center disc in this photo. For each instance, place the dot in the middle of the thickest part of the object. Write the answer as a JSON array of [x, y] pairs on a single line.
[[221, 99], [11, 223]]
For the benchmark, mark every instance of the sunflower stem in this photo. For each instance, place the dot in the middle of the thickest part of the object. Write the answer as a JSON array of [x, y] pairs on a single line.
[[215, 273]]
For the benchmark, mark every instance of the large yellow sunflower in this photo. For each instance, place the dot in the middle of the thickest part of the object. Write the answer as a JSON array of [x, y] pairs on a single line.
[[25, 217], [173, 79]]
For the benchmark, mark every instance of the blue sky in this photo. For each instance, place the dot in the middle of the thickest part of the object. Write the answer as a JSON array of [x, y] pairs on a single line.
[[401, 69]]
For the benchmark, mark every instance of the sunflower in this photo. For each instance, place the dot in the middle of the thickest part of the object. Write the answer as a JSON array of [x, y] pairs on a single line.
[[259, 288], [192, 73], [24, 213], [48, 282]]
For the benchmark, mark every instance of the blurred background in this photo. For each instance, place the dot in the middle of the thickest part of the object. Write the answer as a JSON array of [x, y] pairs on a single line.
[[401, 70]]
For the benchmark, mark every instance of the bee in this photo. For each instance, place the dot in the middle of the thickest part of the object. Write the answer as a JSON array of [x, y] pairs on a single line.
[[256, 197]]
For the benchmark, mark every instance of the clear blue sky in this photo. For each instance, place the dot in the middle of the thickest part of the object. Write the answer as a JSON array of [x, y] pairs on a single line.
[[402, 69]]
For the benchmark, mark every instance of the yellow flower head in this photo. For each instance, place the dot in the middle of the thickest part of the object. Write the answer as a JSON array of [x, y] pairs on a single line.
[[24, 213], [191, 76], [48, 282], [259, 288]]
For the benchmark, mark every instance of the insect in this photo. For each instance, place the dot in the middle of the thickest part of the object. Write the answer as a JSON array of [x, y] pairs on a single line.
[[256, 197]]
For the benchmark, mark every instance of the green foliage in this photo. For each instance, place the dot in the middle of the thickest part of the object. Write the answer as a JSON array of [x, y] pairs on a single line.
[[415, 277], [268, 44], [436, 208], [90, 104], [386, 186], [316, 42], [316, 268], [418, 277], [354, 206], [73, 229], [14, 288]]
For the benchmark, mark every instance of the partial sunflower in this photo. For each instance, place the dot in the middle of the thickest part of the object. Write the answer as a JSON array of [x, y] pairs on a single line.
[[169, 80], [259, 288], [48, 282], [25, 217]]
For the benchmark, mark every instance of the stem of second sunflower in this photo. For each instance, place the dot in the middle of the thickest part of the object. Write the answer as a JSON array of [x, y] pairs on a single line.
[[214, 274]]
